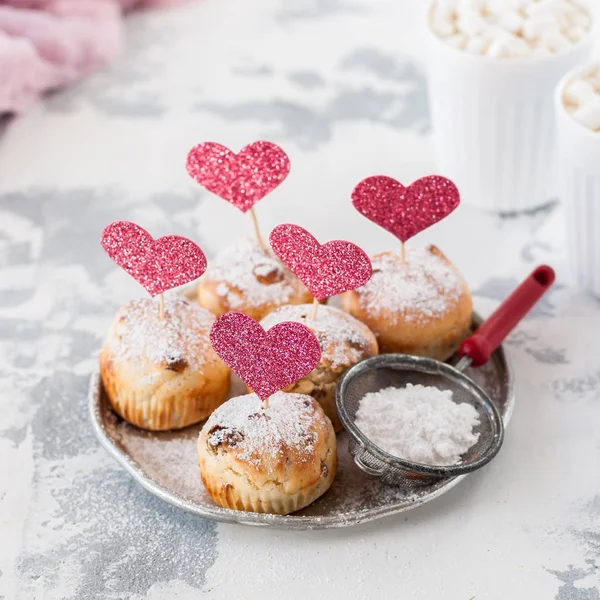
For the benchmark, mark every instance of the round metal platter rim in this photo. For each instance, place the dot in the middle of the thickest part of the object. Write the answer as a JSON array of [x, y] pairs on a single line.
[[299, 522]]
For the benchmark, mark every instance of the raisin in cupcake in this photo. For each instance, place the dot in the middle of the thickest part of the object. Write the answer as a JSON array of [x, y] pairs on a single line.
[[344, 341], [275, 460], [244, 278], [421, 306], [163, 373]]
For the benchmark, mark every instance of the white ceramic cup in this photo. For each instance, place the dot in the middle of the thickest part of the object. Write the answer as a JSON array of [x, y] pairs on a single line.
[[579, 178], [493, 122]]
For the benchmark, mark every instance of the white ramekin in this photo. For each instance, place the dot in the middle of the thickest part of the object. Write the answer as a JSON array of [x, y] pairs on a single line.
[[579, 178], [493, 122]]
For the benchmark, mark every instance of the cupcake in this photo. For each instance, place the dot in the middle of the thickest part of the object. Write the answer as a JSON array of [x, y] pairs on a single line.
[[421, 306], [344, 341], [275, 460], [244, 278], [163, 373]]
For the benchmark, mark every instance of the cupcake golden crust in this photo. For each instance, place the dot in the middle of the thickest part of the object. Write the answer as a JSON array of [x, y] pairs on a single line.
[[344, 341], [421, 307], [243, 278], [163, 373], [275, 460]]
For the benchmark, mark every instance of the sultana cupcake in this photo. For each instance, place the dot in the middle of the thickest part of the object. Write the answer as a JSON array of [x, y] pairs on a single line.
[[421, 306], [275, 460], [163, 373], [344, 341], [244, 278]]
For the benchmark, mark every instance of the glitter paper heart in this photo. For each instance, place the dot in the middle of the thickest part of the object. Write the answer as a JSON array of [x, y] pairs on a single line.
[[267, 361], [405, 211], [326, 270], [158, 265], [243, 178]]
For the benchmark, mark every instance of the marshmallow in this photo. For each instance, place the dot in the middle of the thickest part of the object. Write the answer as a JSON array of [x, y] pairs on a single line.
[[458, 40], [542, 50], [477, 45], [576, 33], [548, 7], [539, 25], [443, 28], [511, 28], [581, 19], [510, 21], [500, 6], [470, 23], [580, 92], [594, 79], [581, 97], [556, 41], [467, 6], [589, 115], [519, 47], [497, 49]]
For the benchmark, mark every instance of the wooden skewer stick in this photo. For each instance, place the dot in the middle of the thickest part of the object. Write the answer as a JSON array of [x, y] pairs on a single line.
[[265, 404], [161, 313], [313, 315], [402, 252], [257, 231]]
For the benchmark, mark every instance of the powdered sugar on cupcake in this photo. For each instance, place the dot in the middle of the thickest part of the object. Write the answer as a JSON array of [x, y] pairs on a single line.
[[255, 431], [139, 334], [418, 423], [510, 28], [423, 286], [343, 338], [248, 276]]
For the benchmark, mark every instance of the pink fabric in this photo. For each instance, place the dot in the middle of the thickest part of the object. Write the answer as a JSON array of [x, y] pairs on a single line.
[[45, 44]]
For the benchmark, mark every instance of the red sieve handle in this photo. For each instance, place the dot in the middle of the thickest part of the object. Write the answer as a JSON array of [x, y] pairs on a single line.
[[491, 334]]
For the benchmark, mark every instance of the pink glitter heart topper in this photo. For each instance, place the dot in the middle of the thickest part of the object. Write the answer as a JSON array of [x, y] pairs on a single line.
[[326, 270], [158, 265], [267, 361], [243, 178], [405, 211]]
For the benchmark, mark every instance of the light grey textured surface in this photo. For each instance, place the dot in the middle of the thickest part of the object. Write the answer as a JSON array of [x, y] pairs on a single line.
[[340, 85]]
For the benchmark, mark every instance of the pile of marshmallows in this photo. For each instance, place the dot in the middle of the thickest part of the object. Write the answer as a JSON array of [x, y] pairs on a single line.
[[581, 97], [510, 28]]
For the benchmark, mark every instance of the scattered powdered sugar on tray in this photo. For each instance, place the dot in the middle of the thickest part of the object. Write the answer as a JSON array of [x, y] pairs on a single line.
[[257, 277], [285, 424], [170, 459], [343, 338], [139, 334], [423, 286], [418, 423]]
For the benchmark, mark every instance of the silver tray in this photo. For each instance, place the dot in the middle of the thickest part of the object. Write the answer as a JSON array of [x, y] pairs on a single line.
[[165, 463]]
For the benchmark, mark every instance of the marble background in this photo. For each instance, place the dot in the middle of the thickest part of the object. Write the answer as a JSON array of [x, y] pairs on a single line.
[[340, 85]]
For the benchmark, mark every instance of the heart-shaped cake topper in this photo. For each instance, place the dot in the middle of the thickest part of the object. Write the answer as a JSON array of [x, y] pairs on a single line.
[[326, 270], [158, 265], [243, 178], [267, 361], [405, 211]]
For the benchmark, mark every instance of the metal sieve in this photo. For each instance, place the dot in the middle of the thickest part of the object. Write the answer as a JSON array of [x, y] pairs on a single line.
[[397, 370]]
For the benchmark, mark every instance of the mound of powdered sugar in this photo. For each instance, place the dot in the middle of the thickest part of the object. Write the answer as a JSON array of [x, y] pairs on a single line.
[[140, 335], [258, 278], [256, 431], [418, 423], [423, 286], [343, 338]]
